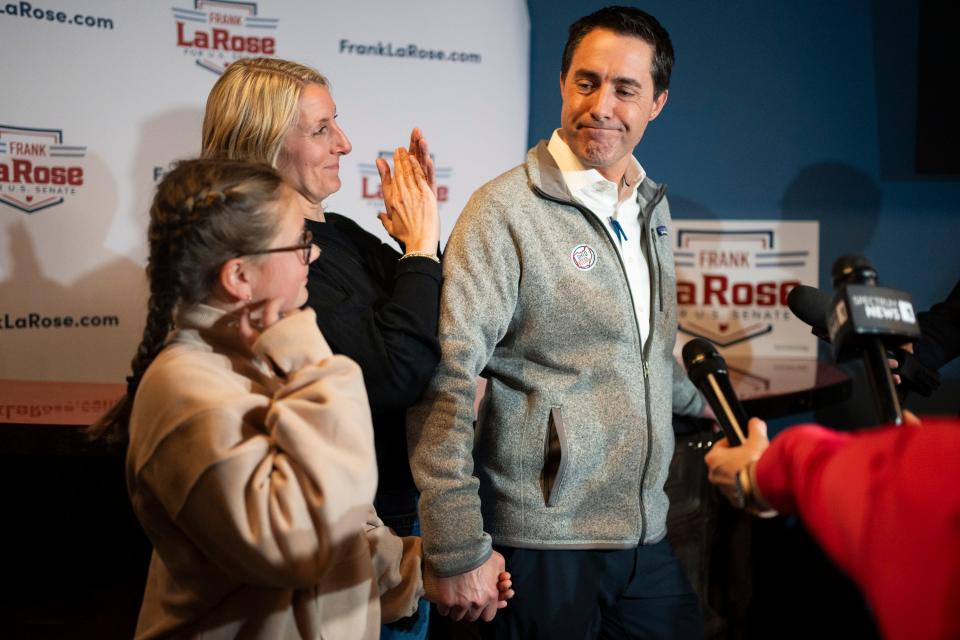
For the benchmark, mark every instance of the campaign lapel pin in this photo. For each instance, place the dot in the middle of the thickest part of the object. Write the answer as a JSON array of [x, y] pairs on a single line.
[[584, 257]]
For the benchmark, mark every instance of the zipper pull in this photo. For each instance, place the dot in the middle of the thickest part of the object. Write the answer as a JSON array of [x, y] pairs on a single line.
[[646, 372], [617, 229]]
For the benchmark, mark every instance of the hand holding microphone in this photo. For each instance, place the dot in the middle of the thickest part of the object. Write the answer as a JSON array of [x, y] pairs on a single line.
[[812, 307], [731, 459], [863, 320], [730, 468]]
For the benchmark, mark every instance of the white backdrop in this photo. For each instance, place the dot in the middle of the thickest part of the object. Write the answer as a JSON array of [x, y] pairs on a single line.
[[99, 97]]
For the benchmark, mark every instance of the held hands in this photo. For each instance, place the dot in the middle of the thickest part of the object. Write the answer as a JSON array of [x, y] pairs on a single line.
[[724, 461], [411, 217], [478, 593]]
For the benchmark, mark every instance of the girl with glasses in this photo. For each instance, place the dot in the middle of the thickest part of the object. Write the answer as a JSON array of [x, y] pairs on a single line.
[[250, 457]]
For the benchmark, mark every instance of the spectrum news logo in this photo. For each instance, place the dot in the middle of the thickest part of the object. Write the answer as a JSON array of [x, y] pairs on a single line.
[[372, 193], [215, 33], [37, 170]]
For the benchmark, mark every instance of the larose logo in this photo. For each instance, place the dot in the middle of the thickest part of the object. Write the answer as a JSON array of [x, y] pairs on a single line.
[[37, 170], [216, 32], [372, 193], [732, 282]]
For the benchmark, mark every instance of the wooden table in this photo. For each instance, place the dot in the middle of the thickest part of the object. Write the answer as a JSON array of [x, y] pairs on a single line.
[[776, 387]]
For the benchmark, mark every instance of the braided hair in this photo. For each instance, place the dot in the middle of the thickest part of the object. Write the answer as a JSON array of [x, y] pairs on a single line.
[[205, 212]]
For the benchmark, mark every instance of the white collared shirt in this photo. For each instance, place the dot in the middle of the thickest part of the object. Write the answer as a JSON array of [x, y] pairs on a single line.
[[600, 196]]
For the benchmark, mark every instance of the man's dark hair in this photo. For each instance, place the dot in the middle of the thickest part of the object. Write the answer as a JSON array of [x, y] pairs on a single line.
[[626, 21]]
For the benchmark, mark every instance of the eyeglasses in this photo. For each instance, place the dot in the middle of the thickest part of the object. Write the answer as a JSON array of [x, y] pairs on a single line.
[[305, 248]]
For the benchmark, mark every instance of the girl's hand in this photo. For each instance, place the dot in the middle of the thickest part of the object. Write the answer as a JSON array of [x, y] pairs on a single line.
[[257, 317]]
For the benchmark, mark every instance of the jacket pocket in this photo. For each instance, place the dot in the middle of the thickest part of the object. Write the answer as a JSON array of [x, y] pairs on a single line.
[[554, 458]]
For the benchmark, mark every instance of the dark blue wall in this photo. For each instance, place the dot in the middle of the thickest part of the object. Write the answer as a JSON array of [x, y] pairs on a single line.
[[791, 110]]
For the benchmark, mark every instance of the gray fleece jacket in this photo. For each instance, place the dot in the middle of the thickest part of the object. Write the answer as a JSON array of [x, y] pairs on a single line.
[[574, 439]]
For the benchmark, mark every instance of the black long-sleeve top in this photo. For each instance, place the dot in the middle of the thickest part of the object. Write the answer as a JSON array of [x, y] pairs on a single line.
[[381, 312], [941, 332]]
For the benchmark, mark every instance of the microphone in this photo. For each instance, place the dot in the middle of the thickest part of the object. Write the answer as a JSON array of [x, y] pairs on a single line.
[[708, 371], [863, 321], [812, 306]]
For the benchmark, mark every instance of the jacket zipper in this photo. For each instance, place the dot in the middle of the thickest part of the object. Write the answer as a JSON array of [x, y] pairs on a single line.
[[658, 196], [646, 458], [647, 219]]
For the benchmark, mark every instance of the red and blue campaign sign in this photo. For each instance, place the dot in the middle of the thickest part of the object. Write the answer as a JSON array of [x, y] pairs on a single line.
[[214, 33], [733, 278], [37, 169]]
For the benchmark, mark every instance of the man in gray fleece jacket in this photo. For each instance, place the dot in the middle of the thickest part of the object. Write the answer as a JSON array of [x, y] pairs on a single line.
[[559, 288]]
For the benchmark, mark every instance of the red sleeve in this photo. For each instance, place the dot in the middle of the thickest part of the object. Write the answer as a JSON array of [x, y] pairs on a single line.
[[885, 505], [788, 473]]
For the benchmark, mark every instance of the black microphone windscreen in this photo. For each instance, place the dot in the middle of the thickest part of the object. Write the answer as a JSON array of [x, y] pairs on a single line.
[[701, 359], [695, 350], [810, 305], [707, 369], [853, 269]]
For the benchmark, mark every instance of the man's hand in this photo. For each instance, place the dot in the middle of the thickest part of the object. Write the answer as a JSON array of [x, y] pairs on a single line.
[[478, 593]]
